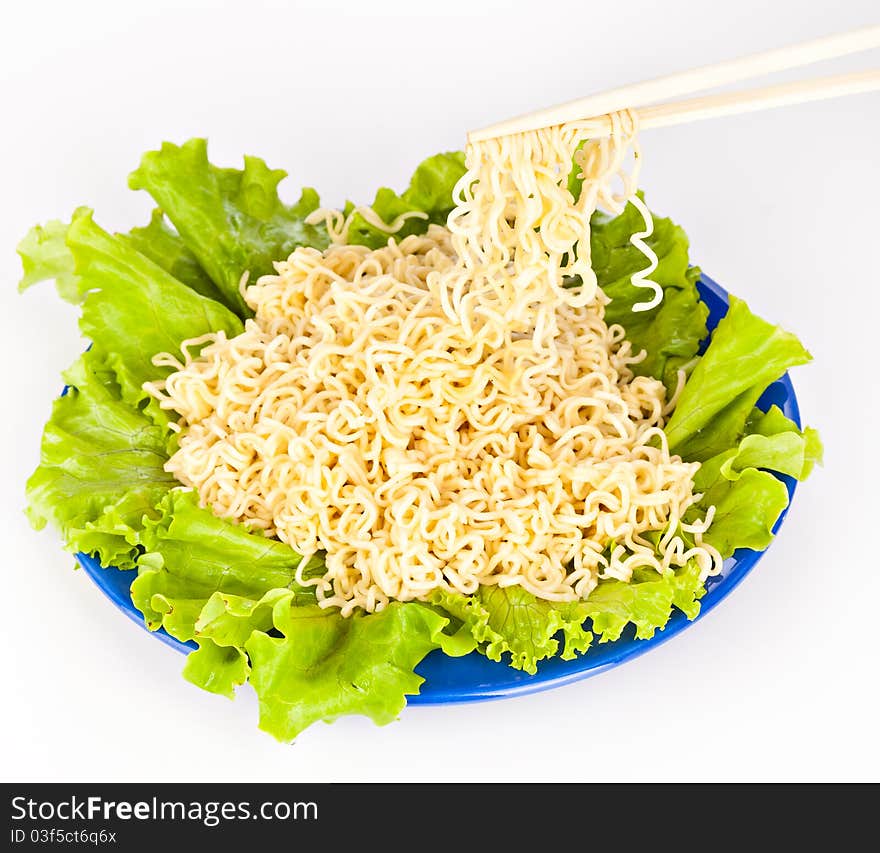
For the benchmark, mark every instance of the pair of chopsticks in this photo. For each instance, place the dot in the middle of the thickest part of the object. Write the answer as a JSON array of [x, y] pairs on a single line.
[[651, 99]]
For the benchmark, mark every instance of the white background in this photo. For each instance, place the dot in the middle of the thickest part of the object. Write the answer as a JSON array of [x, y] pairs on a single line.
[[779, 683]]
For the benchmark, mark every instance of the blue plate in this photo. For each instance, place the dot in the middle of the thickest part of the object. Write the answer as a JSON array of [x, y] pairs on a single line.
[[474, 677]]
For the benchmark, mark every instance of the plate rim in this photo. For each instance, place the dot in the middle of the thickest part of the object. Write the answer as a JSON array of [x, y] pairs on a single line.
[[742, 563]]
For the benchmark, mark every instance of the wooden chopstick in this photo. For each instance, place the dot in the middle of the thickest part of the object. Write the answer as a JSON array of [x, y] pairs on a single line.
[[730, 103], [687, 82]]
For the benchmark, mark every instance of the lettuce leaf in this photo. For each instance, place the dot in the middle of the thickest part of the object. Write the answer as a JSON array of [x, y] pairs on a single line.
[[716, 423], [231, 220], [164, 247], [45, 256], [229, 620], [307, 664], [217, 669], [745, 510], [784, 452], [323, 666], [429, 191], [101, 466], [745, 354], [748, 499], [511, 620], [646, 602], [192, 554], [104, 447], [234, 592], [671, 332], [133, 308], [231, 629], [222, 628], [772, 423]]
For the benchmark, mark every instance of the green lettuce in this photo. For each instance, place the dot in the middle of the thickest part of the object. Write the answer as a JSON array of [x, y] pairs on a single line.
[[308, 664], [745, 510], [217, 669], [774, 423], [748, 499], [745, 354], [646, 601], [227, 622], [511, 620], [323, 666], [133, 308], [717, 424], [232, 220], [206, 579], [165, 247], [429, 193], [104, 447], [101, 466], [671, 332], [132, 303], [45, 256], [191, 554]]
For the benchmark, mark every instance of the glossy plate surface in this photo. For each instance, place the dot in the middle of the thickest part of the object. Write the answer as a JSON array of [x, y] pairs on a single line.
[[474, 677]]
